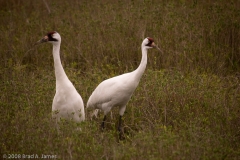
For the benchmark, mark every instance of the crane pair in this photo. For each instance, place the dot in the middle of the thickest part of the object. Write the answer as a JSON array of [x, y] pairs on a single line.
[[113, 92]]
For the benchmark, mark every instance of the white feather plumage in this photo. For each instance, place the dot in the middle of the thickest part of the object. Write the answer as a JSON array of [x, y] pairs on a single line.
[[67, 102], [117, 91]]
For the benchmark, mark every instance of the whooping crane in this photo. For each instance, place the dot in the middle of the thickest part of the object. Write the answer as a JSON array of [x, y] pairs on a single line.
[[67, 103], [118, 90]]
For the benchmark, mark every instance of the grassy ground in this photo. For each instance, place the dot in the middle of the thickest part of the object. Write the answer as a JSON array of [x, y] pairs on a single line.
[[185, 107]]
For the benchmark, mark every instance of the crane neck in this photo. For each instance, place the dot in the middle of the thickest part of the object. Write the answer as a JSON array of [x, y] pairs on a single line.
[[59, 71], [141, 68]]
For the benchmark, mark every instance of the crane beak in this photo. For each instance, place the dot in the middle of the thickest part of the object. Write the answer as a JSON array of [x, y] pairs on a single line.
[[44, 39], [155, 46]]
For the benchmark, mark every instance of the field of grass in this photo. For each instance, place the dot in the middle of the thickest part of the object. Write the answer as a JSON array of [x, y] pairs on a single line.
[[187, 104]]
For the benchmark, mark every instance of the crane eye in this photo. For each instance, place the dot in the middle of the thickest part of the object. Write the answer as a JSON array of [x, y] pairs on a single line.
[[149, 43], [50, 36]]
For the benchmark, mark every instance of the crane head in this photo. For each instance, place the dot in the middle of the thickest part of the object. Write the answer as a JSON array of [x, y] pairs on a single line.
[[51, 37], [149, 43]]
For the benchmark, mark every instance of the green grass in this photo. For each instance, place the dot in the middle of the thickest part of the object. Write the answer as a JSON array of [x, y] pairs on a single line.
[[185, 107]]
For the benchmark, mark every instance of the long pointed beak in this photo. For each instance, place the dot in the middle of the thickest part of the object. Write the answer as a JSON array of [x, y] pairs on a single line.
[[44, 39], [155, 46]]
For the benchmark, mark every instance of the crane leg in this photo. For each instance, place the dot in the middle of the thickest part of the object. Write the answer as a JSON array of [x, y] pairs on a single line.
[[103, 122], [120, 128]]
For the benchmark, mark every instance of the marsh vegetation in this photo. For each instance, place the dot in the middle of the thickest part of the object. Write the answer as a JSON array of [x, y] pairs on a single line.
[[187, 104]]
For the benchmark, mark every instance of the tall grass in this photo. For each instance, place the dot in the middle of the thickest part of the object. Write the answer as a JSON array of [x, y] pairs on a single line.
[[185, 107], [194, 36]]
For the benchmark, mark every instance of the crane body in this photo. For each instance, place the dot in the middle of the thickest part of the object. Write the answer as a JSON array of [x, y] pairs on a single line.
[[117, 91], [67, 102]]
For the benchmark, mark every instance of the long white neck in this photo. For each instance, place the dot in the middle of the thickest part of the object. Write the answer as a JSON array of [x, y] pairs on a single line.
[[141, 68], [59, 71]]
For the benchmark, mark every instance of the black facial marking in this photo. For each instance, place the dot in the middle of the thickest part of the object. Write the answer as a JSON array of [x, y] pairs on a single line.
[[50, 38], [150, 41]]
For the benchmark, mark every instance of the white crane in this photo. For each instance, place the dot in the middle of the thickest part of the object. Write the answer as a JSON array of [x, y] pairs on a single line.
[[118, 90], [67, 103]]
